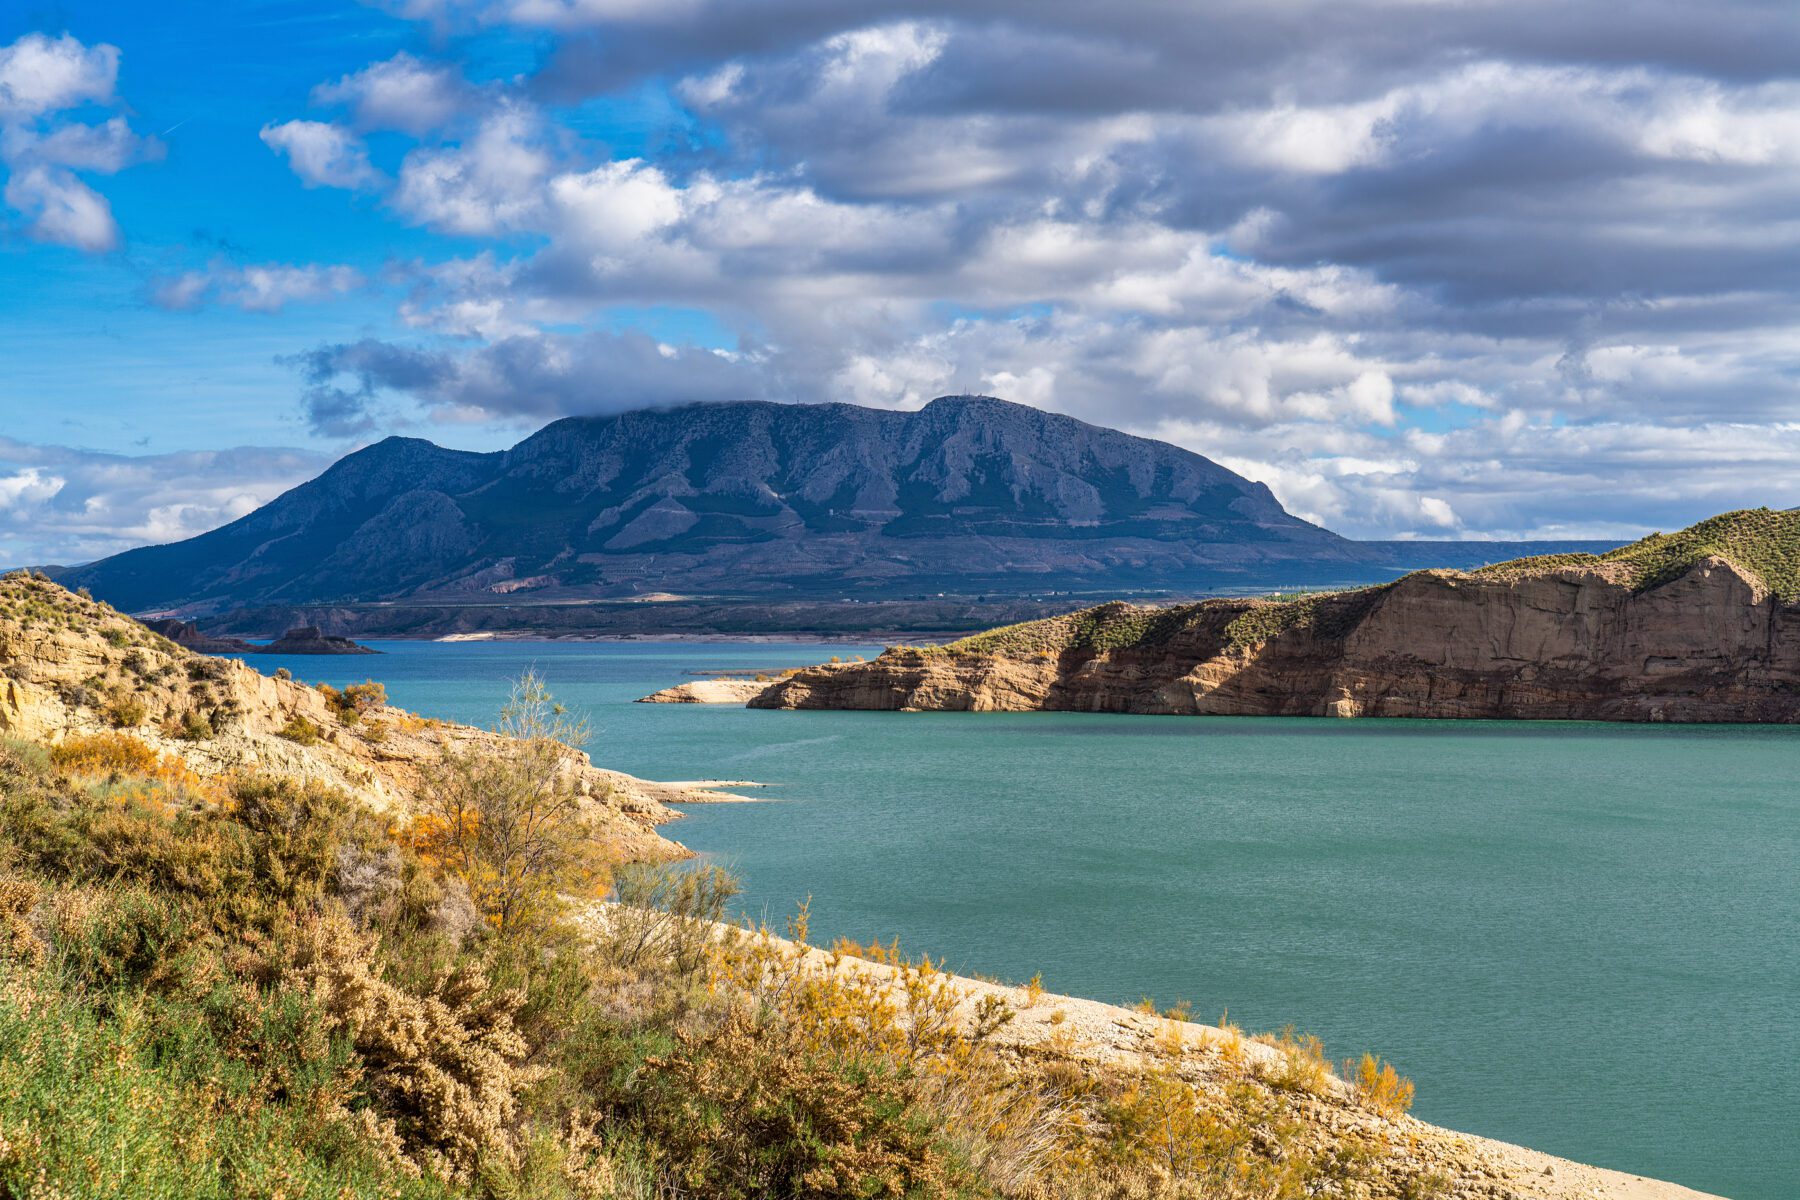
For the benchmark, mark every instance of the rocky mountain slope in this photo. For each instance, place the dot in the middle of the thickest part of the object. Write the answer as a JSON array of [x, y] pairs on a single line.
[[72, 666], [968, 494], [1700, 625]]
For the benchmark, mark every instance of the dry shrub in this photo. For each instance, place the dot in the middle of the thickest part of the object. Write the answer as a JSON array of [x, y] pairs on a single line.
[[1222, 1142], [19, 942], [301, 731], [743, 1112], [105, 754], [667, 916], [1302, 1066], [444, 1068], [356, 701], [1379, 1086], [993, 1119], [509, 819], [126, 712]]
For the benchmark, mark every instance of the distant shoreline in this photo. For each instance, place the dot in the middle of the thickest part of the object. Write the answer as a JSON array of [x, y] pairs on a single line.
[[803, 639]]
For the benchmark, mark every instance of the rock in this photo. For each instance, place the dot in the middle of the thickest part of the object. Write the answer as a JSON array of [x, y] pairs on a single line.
[[309, 639], [709, 691], [186, 633]]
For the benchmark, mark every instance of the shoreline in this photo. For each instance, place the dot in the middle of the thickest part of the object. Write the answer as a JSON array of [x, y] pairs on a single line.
[[749, 639]]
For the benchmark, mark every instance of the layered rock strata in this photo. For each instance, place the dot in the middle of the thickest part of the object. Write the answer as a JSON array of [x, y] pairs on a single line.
[[1576, 642]]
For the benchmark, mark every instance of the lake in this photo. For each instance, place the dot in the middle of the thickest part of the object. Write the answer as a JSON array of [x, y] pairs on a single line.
[[1584, 938]]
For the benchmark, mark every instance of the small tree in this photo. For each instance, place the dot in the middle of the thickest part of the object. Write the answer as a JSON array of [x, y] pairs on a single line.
[[509, 819]]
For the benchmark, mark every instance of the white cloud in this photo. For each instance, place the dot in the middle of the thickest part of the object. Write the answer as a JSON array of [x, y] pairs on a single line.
[[40, 78], [400, 93], [322, 155], [39, 75], [493, 183], [616, 205], [60, 208], [1436, 284], [28, 487], [74, 505], [106, 148]]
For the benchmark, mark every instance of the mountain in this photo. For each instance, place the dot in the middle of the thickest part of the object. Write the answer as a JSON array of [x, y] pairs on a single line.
[[1701, 625], [968, 494]]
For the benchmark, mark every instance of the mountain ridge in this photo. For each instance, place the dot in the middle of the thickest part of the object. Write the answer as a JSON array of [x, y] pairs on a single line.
[[747, 497]]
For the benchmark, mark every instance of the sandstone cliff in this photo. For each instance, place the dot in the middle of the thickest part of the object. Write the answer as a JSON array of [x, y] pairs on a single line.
[[71, 666], [1696, 626]]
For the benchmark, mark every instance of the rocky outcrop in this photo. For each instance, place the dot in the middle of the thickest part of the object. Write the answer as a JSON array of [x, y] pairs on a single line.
[[310, 639], [708, 691], [187, 635], [1580, 641], [71, 667], [303, 639]]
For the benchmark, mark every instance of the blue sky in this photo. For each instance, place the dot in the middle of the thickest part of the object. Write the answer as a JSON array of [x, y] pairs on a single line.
[[1428, 270]]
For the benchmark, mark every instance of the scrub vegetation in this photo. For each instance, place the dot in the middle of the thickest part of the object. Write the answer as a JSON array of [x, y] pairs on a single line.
[[1759, 541], [255, 987]]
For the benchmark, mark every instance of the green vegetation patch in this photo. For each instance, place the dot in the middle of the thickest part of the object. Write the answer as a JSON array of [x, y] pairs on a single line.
[[1328, 614], [1761, 542], [1113, 626]]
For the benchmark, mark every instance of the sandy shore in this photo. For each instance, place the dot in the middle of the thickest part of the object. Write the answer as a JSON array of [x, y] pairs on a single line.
[[708, 691]]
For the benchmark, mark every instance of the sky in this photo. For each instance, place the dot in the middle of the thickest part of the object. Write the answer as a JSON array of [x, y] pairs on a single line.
[[1429, 268]]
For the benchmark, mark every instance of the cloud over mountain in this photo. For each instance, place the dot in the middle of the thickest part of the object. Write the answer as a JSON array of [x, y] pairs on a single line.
[[1396, 258]]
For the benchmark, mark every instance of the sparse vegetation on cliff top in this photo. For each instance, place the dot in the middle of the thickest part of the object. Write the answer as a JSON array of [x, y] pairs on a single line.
[[1109, 627], [1762, 542], [1759, 541]]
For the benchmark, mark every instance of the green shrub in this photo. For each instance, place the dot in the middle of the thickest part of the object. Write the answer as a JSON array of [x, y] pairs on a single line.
[[301, 731], [126, 712]]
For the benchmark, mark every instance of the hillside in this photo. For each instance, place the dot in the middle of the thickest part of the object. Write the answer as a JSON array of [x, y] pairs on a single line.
[[72, 667], [967, 495], [1698, 625]]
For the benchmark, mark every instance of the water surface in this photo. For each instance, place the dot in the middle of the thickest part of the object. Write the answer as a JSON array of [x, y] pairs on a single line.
[[1581, 937]]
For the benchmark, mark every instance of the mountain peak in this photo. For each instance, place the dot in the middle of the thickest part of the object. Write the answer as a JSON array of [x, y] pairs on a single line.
[[968, 494]]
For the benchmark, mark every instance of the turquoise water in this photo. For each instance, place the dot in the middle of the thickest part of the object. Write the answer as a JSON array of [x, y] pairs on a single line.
[[1581, 937]]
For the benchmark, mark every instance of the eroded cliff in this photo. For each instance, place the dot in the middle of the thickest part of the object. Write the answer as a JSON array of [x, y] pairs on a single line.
[[1695, 626]]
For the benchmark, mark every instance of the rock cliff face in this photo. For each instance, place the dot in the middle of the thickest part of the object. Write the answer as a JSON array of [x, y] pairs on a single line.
[[70, 667], [1708, 640]]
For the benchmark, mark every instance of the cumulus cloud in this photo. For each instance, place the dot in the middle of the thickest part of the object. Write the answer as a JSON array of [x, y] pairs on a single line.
[[41, 75], [67, 505], [1427, 269], [322, 154], [60, 208], [490, 184], [42, 149], [400, 93]]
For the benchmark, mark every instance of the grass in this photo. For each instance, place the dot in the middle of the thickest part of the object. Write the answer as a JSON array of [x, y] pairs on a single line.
[[1114, 626], [1762, 542]]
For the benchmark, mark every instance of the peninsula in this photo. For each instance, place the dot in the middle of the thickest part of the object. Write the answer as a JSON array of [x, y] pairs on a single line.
[[1700, 625]]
